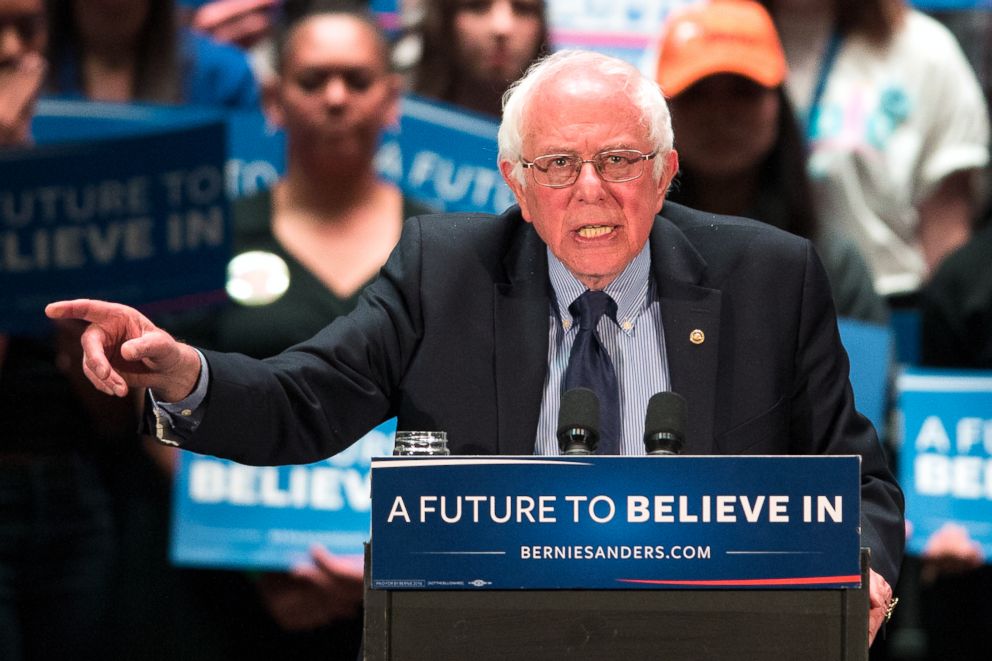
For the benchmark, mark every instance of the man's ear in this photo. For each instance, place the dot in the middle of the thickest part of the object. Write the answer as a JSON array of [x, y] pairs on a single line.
[[668, 172], [272, 102], [506, 169]]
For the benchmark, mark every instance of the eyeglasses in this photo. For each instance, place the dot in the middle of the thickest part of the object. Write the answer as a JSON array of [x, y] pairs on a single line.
[[614, 165]]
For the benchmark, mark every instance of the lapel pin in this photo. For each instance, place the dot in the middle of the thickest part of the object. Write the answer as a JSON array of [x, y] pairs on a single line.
[[697, 336]]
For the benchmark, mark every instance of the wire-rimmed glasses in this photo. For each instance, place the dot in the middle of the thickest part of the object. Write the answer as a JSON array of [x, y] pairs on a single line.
[[613, 165]]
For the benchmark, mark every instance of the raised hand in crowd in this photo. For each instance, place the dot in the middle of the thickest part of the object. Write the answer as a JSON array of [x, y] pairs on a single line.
[[240, 22], [950, 550], [313, 595]]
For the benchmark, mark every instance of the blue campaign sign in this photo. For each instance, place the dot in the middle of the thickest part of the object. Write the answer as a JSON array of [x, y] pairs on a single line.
[[615, 522], [256, 155], [906, 331], [945, 461], [389, 15], [870, 349], [229, 515], [445, 157], [60, 121], [935, 5], [138, 217]]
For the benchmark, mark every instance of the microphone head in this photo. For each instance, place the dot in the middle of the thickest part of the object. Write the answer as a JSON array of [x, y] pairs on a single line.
[[664, 423], [578, 418]]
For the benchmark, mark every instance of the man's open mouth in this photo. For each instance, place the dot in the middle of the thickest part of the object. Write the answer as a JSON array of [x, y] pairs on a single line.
[[594, 231]]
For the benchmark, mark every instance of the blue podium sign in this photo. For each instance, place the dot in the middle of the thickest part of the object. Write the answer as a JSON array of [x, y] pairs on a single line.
[[945, 458], [615, 522], [229, 515]]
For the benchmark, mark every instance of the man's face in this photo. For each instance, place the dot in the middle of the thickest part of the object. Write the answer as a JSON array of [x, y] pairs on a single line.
[[495, 40], [594, 227], [22, 30], [335, 90]]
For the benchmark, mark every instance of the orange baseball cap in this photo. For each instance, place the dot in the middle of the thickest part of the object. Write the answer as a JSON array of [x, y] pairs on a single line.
[[721, 36]]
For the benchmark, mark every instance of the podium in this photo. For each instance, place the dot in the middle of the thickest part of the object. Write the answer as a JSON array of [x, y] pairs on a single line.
[[731, 625], [738, 624]]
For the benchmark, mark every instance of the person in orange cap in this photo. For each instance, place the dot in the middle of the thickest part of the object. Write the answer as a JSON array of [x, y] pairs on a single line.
[[722, 67]]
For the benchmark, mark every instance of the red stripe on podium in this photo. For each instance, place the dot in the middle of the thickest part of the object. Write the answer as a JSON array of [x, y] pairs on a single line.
[[803, 580]]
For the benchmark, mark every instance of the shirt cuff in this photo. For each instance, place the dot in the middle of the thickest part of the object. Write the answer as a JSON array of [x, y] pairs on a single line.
[[175, 422]]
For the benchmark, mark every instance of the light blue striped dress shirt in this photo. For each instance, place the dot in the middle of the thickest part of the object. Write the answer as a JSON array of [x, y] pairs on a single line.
[[635, 343]]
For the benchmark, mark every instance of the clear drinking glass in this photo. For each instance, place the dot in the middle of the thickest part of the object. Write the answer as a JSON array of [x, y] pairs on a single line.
[[420, 443]]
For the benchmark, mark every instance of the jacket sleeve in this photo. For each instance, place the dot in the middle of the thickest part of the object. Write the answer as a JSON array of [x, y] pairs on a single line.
[[320, 396], [825, 416]]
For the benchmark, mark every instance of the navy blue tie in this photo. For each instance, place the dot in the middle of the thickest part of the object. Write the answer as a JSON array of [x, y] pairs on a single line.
[[589, 366]]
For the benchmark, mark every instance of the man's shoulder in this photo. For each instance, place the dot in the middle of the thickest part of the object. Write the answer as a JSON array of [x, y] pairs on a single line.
[[500, 248], [464, 230], [719, 250], [472, 222], [704, 229]]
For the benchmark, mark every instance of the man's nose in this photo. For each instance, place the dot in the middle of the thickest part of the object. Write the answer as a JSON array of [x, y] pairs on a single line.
[[589, 185], [501, 17], [336, 91]]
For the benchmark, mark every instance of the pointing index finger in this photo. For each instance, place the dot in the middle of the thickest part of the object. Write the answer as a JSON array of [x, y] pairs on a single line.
[[85, 309]]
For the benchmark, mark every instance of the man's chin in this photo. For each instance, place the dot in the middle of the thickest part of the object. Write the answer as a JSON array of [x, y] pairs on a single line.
[[594, 275]]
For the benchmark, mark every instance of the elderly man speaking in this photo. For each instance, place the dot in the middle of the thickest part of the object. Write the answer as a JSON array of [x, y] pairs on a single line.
[[471, 325]]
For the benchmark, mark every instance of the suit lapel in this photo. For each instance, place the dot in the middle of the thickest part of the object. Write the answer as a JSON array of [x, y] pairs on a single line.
[[690, 314], [520, 316]]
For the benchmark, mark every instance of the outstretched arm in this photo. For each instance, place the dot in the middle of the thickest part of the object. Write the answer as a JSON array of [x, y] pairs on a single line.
[[122, 349]]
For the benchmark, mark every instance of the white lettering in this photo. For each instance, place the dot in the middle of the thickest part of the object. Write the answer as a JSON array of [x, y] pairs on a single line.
[[398, 510], [933, 436]]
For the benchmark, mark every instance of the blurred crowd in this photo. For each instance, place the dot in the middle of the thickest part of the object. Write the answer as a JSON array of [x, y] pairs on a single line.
[[859, 124]]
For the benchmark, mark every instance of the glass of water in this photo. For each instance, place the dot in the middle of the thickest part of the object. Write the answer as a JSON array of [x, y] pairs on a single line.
[[420, 443]]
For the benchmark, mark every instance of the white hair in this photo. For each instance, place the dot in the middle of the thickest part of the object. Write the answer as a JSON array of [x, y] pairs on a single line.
[[643, 92]]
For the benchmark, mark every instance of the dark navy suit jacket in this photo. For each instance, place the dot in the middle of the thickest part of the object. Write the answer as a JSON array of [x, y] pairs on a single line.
[[453, 336]]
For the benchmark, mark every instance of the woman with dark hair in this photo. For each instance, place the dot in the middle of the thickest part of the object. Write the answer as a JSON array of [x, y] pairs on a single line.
[[134, 50], [471, 50], [740, 149], [302, 252], [897, 126], [58, 539]]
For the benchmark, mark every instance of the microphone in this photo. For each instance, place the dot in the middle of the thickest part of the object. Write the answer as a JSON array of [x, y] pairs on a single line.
[[578, 422], [664, 424]]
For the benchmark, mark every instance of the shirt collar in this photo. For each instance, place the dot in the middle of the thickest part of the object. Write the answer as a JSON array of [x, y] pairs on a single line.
[[629, 290]]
